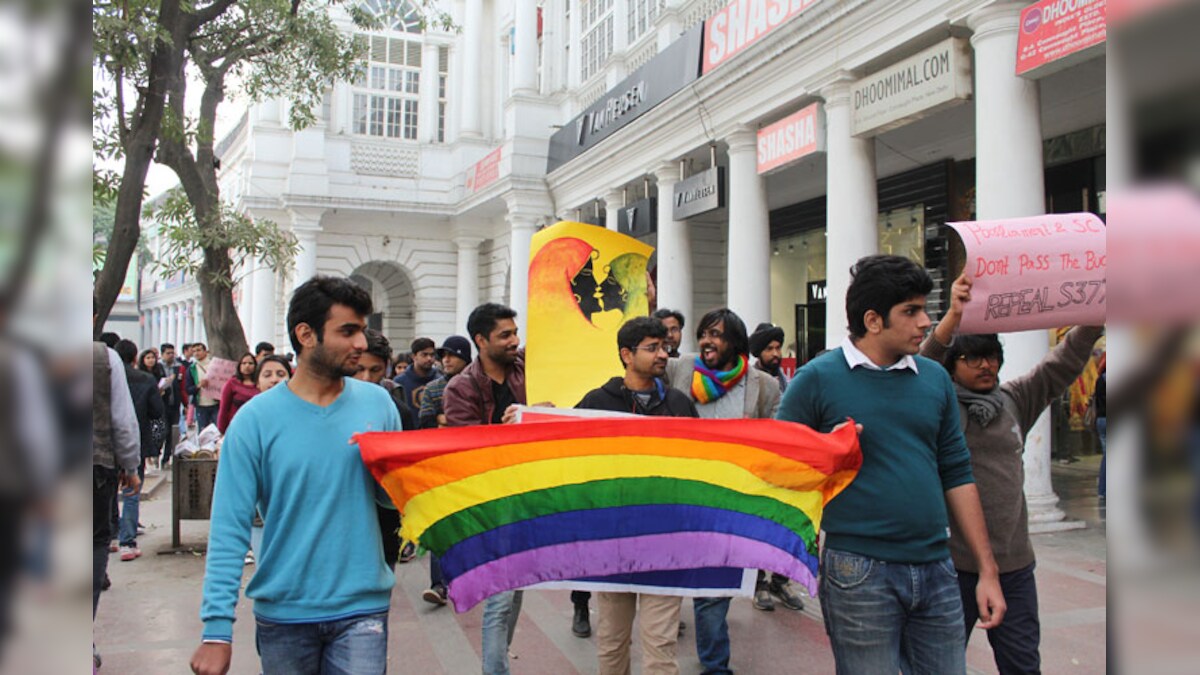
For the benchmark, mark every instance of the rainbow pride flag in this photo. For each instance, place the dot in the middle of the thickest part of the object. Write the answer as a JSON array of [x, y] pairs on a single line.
[[510, 506]]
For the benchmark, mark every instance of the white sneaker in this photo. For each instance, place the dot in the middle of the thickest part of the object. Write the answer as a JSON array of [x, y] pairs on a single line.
[[249, 558]]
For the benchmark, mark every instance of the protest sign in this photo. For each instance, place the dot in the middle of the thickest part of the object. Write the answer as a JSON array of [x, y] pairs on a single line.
[[219, 372], [1034, 273]]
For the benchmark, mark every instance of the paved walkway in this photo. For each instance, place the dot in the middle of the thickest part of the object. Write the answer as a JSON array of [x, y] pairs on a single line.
[[148, 622]]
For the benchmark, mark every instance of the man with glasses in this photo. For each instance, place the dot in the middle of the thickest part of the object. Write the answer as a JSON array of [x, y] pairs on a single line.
[[723, 385], [673, 321], [995, 419], [641, 344]]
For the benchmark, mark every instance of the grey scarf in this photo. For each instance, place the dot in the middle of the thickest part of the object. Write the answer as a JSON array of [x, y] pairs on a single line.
[[982, 408]]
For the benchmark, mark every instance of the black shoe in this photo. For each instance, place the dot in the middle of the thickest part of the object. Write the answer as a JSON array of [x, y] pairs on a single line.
[[435, 595], [787, 597], [581, 626], [408, 552], [106, 584], [682, 627], [762, 599]]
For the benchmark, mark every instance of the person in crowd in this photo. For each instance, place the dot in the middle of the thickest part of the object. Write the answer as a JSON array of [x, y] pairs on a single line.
[[116, 455], [1100, 406], [206, 407], [641, 344], [174, 399], [766, 346], [403, 361], [673, 320], [455, 355], [996, 417], [722, 385], [271, 371], [237, 391], [888, 590], [149, 363], [110, 339], [321, 590], [420, 373], [486, 392], [148, 407], [262, 350]]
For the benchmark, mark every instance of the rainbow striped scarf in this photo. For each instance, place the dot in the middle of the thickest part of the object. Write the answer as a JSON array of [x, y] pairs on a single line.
[[710, 385]]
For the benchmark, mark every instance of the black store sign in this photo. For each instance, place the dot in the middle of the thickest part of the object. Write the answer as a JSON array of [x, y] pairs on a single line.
[[668, 72], [816, 292], [700, 193], [639, 218]]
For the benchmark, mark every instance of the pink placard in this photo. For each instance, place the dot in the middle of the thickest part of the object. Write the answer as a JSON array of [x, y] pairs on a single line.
[[219, 372], [1034, 273]]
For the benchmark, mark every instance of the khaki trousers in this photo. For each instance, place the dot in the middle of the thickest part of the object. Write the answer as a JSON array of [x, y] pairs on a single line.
[[658, 623]]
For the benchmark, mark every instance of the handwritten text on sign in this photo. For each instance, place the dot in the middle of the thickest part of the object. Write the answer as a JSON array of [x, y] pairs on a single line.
[[1034, 273]]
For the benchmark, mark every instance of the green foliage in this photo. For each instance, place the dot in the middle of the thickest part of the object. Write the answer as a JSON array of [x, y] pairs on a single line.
[[235, 232]]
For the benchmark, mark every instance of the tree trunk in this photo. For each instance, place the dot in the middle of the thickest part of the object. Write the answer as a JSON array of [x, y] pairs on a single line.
[[165, 64], [226, 336]]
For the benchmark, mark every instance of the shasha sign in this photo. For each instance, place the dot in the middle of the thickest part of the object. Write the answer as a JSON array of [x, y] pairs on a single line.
[[791, 138]]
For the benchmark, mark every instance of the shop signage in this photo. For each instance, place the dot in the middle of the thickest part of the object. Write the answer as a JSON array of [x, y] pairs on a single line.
[[816, 292], [671, 70], [485, 172], [918, 86], [732, 29], [639, 218], [700, 193], [1055, 34], [791, 138]]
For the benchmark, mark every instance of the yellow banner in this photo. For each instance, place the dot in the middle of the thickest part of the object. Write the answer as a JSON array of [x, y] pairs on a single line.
[[585, 282]]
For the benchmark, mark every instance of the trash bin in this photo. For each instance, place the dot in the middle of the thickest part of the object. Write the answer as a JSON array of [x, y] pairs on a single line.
[[191, 492]]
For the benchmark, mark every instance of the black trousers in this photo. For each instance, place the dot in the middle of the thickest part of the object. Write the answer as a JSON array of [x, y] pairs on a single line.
[[389, 522], [1016, 640], [104, 497]]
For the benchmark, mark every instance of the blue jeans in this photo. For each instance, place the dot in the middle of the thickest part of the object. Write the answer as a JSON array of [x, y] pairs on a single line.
[[1014, 642], [712, 634], [130, 505], [500, 614], [885, 617], [354, 646], [205, 415]]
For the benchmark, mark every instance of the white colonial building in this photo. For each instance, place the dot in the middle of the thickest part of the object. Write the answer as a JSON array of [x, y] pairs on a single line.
[[839, 128]]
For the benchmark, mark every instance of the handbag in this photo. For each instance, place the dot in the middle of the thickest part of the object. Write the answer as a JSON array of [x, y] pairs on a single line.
[[158, 433]]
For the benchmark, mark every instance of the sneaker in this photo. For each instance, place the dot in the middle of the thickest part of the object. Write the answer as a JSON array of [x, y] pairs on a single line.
[[762, 599], [130, 553], [581, 625], [408, 552], [141, 529], [435, 595], [249, 558], [787, 597], [113, 547]]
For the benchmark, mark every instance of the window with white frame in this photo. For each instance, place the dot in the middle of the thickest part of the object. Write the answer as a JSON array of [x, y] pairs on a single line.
[[642, 14], [596, 18], [387, 92], [443, 72]]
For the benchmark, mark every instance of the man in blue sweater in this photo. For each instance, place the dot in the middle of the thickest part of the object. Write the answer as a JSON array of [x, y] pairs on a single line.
[[321, 589], [889, 593]]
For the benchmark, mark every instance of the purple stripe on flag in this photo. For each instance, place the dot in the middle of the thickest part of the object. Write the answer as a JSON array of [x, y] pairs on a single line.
[[676, 550]]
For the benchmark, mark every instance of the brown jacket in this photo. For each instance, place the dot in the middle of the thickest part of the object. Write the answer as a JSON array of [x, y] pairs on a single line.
[[468, 398], [997, 450], [762, 390]]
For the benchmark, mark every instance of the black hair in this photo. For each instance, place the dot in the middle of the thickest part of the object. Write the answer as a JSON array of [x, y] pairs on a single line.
[[637, 329], [880, 282], [735, 329], [141, 360], [378, 345], [110, 339], [986, 344], [237, 370], [200, 345], [273, 358], [404, 357], [484, 318], [126, 350], [421, 344], [167, 345], [264, 347], [313, 299], [664, 314]]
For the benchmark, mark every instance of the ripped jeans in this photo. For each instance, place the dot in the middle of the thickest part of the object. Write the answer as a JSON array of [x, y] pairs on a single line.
[[354, 646]]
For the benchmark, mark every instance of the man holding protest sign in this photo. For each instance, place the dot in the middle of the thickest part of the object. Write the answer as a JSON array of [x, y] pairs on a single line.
[[995, 419]]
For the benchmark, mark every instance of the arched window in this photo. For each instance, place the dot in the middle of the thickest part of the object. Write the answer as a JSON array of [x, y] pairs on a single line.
[[400, 16], [387, 91]]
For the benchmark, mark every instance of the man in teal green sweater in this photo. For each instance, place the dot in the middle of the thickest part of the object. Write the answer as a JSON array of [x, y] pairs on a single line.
[[888, 591], [321, 589]]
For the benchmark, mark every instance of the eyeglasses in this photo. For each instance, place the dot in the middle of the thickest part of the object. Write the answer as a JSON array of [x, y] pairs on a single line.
[[712, 334], [652, 349], [976, 361], [674, 330]]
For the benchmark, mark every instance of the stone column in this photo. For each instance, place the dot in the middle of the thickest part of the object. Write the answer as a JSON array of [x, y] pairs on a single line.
[[575, 36], [1010, 184], [853, 205], [749, 258], [471, 102], [613, 201], [468, 281], [523, 227], [675, 282], [525, 77], [428, 112], [306, 225], [263, 309], [174, 332]]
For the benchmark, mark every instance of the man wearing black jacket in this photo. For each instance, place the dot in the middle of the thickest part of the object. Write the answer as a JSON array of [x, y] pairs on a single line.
[[643, 351]]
